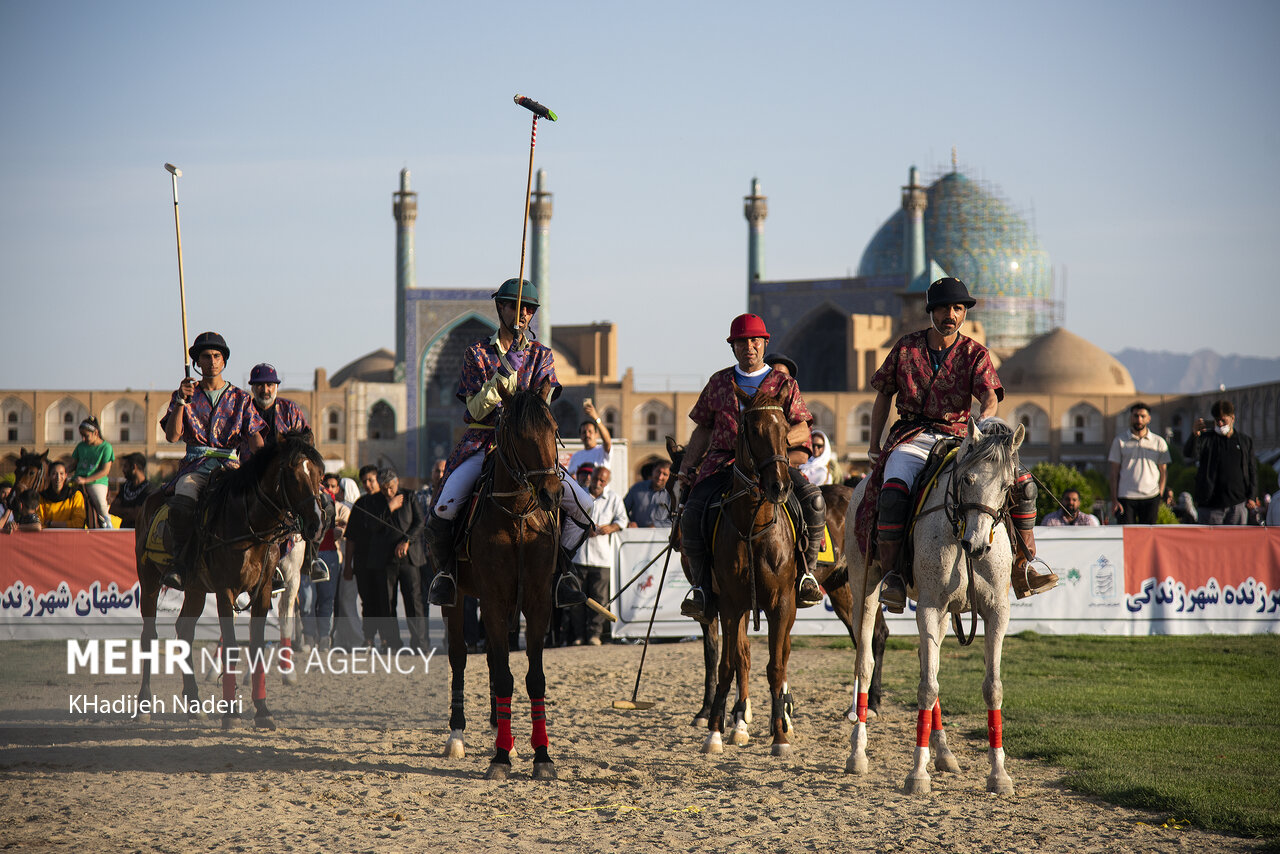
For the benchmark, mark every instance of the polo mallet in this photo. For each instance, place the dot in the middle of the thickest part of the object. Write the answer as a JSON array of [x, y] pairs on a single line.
[[539, 112], [633, 703], [175, 173]]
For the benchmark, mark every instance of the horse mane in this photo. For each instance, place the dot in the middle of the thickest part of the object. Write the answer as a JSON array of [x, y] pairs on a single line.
[[996, 445], [527, 413], [238, 482]]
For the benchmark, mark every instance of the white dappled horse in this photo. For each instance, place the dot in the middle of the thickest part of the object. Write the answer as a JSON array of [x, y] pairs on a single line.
[[962, 561]]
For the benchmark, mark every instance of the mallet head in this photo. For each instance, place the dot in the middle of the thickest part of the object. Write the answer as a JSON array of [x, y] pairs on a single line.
[[173, 170]]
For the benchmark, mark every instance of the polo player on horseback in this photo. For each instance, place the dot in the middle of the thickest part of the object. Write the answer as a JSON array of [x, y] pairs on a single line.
[[934, 373], [713, 445], [214, 419], [510, 360]]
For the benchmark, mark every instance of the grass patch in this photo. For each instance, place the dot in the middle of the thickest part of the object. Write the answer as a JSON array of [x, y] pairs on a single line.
[[1180, 725]]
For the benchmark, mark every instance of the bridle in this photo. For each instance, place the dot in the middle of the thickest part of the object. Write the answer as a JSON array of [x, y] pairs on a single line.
[[750, 480], [509, 457]]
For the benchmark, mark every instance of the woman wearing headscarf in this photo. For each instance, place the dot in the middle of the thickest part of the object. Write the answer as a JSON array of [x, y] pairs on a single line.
[[1185, 509], [92, 459], [818, 470]]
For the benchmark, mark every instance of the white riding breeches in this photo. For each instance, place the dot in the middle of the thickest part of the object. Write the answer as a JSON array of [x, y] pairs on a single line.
[[456, 492], [907, 460]]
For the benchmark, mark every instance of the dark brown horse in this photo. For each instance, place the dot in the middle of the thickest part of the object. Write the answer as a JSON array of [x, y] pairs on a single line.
[[243, 514], [30, 474], [834, 578], [753, 567], [507, 562]]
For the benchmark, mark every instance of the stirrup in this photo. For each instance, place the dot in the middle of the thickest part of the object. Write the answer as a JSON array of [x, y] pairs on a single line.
[[319, 570], [443, 591], [808, 592], [569, 591], [893, 592], [1034, 582], [173, 579], [695, 606], [277, 580]]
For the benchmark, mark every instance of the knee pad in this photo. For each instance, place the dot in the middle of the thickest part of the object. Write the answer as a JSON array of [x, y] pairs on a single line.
[[1024, 494], [893, 505]]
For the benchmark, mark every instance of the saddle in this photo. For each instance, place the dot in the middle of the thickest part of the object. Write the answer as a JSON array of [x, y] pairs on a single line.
[[943, 451], [795, 518]]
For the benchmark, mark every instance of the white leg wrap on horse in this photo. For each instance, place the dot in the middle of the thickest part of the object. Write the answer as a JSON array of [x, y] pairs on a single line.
[[740, 735], [454, 748], [713, 744]]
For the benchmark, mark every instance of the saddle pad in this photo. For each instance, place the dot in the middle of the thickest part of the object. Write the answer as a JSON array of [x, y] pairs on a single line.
[[922, 495], [827, 554], [155, 548]]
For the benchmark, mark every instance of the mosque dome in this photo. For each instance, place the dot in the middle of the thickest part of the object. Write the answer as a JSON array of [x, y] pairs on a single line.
[[376, 367], [974, 235], [1062, 362]]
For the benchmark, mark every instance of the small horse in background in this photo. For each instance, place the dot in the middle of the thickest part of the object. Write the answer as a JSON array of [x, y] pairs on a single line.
[[834, 578], [507, 561], [30, 473], [962, 559], [753, 567], [244, 513]]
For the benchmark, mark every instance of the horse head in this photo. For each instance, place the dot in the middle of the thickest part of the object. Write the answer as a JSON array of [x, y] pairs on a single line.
[[762, 445], [986, 465], [298, 479], [525, 439], [29, 471]]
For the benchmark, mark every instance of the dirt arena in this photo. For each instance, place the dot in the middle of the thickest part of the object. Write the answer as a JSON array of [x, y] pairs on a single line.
[[356, 766]]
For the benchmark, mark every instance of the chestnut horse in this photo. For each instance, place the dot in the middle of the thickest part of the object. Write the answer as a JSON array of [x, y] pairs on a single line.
[[834, 578], [244, 513], [507, 561]]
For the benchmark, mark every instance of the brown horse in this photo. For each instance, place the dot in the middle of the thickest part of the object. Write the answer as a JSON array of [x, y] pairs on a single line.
[[244, 513], [753, 568], [834, 578], [507, 562], [30, 473]]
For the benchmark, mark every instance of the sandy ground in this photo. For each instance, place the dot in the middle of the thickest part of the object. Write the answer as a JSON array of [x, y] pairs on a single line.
[[356, 766]]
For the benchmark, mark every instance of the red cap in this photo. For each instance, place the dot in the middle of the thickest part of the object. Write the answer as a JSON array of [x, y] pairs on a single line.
[[747, 326]]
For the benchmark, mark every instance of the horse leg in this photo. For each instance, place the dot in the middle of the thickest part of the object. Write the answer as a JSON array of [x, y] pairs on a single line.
[[150, 592], [780, 623], [730, 626], [998, 781], [741, 735], [287, 610], [866, 613], [192, 608], [497, 654], [455, 748], [262, 718], [232, 664], [929, 620], [710, 659], [943, 758], [537, 616], [878, 639]]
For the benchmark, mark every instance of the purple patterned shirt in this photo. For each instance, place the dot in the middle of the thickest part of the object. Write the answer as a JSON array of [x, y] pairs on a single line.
[[717, 409], [286, 417], [226, 427]]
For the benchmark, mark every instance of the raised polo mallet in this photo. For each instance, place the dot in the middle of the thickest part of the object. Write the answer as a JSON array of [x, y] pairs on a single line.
[[539, 112], [175, 173]]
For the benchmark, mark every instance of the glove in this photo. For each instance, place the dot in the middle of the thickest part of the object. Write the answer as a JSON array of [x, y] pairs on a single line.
[[488, 397]]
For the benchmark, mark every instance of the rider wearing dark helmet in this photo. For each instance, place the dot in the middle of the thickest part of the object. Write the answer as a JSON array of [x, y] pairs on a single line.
[[511, 360], [935, 373], [215, 420]]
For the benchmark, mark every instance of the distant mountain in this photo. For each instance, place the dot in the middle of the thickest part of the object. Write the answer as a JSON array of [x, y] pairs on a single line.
[[1204, 370]]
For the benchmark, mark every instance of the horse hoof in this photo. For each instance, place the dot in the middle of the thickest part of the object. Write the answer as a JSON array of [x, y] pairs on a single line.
[[714, 744], [740, 736], [544, 771], [290, 678], [497, 771], [780, 749], [701, 723], [143, 718], [454, 748], [917, 785], [856, 764], [231, 722], [265, 722], [1000, 785], [946, 762]]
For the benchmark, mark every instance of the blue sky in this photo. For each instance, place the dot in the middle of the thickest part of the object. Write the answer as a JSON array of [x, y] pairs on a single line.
[[1143, 137]]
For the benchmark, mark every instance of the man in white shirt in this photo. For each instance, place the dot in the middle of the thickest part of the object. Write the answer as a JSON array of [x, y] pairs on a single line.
[[595, 558], [1139, 468], [597, 444]]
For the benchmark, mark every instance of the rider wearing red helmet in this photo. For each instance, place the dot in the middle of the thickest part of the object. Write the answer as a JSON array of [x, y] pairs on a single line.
[[714, 443]]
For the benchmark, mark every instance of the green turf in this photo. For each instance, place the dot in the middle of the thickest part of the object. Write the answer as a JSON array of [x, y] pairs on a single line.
[[1185, 726]]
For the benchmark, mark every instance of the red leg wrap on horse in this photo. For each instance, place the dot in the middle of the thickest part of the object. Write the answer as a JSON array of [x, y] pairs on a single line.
[[923, 721], [937, 715], [228, 686], [995, 728], [259, 681], [505, 741], [539, 714], [862, 708], [286, 655]]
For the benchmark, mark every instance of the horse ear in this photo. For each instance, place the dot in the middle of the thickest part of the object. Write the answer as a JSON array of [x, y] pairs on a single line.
[[675, 452], [741, 395], [1018, 435], [546, 391]]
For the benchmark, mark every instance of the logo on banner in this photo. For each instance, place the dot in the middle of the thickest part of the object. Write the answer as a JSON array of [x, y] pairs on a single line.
[[1103, 582]]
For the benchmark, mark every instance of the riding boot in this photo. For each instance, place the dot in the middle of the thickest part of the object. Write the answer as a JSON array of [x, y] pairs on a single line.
[[697, 603], [808, 593], [1027, 581], [894, 506], [568, 590], [439, 537], [180, 538]]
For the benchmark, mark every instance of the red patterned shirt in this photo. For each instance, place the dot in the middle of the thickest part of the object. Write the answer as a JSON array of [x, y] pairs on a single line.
[[717, 410]]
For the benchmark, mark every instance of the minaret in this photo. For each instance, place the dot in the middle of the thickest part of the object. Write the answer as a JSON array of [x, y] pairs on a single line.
[[540, 219], [404, 208], [914, 200], [755, 208]]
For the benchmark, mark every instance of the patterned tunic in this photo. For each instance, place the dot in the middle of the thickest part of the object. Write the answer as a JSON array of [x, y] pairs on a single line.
[[942, 401], [717, 409], [225, 427], [479, 365], [286, 417]]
